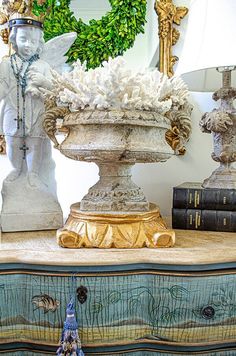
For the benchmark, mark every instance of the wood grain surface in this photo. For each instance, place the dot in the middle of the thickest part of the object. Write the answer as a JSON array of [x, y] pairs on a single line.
[[192, 247]]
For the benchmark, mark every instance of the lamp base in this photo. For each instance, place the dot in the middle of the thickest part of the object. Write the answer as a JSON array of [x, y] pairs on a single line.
[[223, 177], [221, 123], [115, 230]]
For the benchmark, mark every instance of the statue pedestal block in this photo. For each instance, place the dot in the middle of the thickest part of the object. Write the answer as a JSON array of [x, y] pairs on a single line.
[[31, 222], [28, 209]]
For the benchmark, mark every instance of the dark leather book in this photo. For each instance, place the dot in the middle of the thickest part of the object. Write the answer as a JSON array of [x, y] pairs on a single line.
[[193, 196], [196, 219]]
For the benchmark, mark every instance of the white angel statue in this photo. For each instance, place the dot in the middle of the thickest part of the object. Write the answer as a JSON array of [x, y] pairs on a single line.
[[22, 75]]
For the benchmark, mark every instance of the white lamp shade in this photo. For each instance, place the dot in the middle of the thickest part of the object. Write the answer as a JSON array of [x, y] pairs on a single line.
[[210, 42]]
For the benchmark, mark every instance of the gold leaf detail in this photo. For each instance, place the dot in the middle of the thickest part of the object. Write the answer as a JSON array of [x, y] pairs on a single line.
[[3, 18], [99, 230], [168, 15], [5, 35], [179, 14], [175, 36], [2, 145]]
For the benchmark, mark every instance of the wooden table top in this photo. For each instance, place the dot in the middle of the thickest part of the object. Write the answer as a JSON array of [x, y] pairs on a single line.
[[191, 248]]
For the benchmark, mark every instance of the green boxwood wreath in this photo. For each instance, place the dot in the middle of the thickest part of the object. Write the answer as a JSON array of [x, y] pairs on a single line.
[[108, 37]]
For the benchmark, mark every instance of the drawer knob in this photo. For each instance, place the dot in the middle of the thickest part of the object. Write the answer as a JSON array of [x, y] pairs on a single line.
[[82, 294], [208, 312]]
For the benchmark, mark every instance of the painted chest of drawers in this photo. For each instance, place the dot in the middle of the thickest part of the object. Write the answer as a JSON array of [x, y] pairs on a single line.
[[176, 301]]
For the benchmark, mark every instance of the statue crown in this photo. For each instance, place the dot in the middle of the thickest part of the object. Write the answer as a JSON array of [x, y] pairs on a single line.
[[20, 13]]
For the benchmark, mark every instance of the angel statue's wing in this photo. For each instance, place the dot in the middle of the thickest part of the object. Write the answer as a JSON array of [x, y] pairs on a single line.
[[55, 49]]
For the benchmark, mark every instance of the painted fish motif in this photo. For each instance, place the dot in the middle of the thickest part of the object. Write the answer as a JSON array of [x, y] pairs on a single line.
[[45, 302]]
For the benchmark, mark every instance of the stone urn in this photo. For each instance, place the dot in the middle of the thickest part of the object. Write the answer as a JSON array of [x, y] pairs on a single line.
[[115, 211]]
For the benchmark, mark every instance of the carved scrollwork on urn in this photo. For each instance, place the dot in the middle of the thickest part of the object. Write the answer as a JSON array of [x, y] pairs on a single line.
[[180, 130], [114, 194], [115, 197], [51, 115]]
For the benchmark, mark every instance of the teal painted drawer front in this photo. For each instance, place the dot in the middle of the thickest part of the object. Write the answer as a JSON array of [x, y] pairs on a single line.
[[122, 308]]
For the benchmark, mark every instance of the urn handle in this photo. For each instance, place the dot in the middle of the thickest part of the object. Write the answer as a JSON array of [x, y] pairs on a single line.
[[180, 130], [50, 121]]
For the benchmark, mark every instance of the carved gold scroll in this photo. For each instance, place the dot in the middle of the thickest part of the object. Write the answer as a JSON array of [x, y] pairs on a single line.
[[168, 16], [2, 145]]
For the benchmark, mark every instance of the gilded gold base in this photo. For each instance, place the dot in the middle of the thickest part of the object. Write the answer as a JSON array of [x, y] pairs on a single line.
[[119, 230]]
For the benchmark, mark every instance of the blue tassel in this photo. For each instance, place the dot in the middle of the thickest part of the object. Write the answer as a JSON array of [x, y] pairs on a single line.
[[70, 344]]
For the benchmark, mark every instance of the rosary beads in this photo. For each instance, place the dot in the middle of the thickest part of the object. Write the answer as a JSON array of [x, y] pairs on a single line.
[[20, 73]]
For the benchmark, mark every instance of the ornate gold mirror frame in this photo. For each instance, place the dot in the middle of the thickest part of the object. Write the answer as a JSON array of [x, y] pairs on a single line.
[[168, 16]]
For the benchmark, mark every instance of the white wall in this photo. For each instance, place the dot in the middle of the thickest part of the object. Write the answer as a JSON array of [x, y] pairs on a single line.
[[89, 9], [157, 180]]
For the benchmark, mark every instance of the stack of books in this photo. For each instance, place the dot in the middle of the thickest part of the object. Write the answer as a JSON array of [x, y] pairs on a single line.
[[197, 208]]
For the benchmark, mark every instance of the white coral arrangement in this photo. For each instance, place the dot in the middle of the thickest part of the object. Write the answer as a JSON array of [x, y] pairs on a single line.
[[113, 86]]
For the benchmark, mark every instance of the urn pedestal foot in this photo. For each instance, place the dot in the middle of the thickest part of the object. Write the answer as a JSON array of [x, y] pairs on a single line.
[[115, 229], [223, 177], [115, 191]]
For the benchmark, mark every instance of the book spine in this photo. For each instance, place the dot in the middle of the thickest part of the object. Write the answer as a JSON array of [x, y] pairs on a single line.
[[207, 199], [225, 199], [190, 198], [209, 220]]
